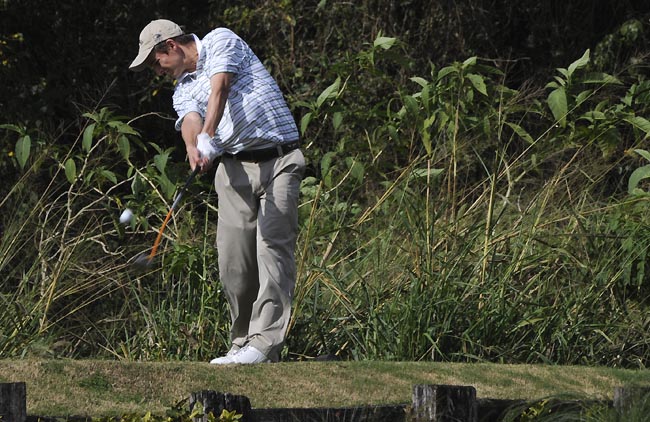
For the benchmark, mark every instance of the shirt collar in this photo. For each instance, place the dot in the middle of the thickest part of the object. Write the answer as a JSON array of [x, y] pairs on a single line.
[[199, 64]]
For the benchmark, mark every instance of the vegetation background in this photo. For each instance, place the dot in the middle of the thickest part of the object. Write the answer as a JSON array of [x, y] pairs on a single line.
[[477, 184]]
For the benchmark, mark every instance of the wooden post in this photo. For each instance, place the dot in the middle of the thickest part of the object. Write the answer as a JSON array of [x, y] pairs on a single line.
[[626, 397], [215, 402], [444, 403], [13, 402]]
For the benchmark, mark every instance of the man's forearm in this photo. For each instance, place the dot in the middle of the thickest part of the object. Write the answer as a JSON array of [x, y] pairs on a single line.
[[220, 88], [191, 127]]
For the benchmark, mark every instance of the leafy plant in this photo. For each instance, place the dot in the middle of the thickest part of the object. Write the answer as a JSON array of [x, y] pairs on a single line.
[[639, 174], [176, 414]]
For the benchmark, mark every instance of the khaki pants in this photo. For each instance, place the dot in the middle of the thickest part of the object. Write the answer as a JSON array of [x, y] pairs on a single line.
[[256, 238]]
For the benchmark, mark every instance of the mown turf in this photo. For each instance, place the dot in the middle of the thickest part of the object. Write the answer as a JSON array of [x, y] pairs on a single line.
[[103, 388]]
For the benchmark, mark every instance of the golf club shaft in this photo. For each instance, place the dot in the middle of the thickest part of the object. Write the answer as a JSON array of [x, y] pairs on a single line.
[[154, 249]]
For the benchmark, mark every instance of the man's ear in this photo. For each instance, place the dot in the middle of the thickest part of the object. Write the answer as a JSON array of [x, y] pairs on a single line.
[[171, 44]]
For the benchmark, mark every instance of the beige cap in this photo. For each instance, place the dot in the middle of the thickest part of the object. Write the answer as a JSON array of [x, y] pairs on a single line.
[[155, 32]]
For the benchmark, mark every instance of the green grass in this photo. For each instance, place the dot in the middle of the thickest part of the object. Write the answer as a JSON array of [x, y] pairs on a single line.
[[105, 388]]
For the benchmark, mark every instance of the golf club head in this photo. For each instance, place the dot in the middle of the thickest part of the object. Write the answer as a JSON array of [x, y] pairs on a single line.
[[143, 261]]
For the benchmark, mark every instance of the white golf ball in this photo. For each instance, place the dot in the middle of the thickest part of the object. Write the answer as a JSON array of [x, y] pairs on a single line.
[[126, 217]]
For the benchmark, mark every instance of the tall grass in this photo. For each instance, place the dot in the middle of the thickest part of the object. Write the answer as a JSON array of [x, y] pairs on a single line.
[[539, 277], [470, 223], [70, 286], [485, 247]]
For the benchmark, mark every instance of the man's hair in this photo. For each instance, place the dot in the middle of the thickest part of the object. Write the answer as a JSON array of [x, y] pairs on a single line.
[[184, 39]]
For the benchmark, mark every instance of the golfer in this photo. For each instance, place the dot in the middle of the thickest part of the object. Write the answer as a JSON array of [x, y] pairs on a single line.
[[230, 108]]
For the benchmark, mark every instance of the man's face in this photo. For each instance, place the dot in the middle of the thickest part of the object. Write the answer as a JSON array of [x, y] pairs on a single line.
[[169, 63]]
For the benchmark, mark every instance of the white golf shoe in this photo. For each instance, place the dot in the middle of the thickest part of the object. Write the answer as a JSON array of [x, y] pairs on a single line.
[[225, 360], [249, 354], [245, 355]]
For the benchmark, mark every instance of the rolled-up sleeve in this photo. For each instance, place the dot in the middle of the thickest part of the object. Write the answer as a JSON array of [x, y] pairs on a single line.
[[184, 104]]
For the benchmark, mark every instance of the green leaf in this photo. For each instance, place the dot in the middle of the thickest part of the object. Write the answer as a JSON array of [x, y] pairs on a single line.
[[124, 146], [92, 116], [600, 78], [424, 173], [429, 121], [87, 139], [637, 175], [469, 62], [643, 153], [384, 42], [411, 105], [14, 128], [426, 141], [138, 185], [325, 166], [392, 132], [23, 148], [337, 119], [109, 175], [521, 132], [478, 82], [583, 96], [122, 127], [304, 104], [70, 170], [304, 122], [578, 64], [592, 116], [420, 81], [446, 71], [357, 170], [558, 103], [160, 160], [156, 147], [426, 97], [329, 92], [166, 185], [640, 123]]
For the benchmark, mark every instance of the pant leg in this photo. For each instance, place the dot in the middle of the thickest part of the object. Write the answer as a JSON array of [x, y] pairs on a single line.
[[277, 230], [256, 236], [236, 246]]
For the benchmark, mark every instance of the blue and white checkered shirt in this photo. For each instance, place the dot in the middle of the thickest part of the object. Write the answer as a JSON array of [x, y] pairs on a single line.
[[256, 114]]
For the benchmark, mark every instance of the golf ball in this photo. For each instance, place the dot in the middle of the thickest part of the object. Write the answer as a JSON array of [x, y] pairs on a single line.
[[126, 217]]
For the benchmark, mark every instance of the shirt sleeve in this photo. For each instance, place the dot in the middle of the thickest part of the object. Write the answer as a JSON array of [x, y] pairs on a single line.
[[183, 104], [225, 52]]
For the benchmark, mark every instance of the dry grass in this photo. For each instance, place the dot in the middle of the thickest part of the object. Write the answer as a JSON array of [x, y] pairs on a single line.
[[101, 388]]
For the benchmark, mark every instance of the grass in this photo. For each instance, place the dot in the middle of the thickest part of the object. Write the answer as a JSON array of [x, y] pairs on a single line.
[[498, 251], [107, 388]]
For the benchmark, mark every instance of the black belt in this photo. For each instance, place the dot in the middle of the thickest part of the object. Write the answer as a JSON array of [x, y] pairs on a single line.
[[265, 154]]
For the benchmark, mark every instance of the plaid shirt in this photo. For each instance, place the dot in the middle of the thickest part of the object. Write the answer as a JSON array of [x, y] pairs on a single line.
[[256, 114]]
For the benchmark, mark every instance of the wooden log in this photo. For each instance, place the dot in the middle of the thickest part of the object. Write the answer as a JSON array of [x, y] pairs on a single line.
[[13, 402], [215, 402], [626, 397], [444, 403]]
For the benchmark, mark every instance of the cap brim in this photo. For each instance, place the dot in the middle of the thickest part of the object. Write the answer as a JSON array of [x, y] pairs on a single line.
[[140, 62]]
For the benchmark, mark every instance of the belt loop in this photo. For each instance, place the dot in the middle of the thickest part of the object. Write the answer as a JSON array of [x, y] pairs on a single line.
[[280, 150]]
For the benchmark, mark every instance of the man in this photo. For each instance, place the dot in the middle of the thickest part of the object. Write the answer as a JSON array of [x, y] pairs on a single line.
[[229, 106]]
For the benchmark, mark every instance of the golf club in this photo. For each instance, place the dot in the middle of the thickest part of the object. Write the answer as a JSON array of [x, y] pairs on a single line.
[[144, 260]]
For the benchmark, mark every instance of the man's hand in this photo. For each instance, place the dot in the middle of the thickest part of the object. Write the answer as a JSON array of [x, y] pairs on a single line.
[[194, 156], [208, 150]]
